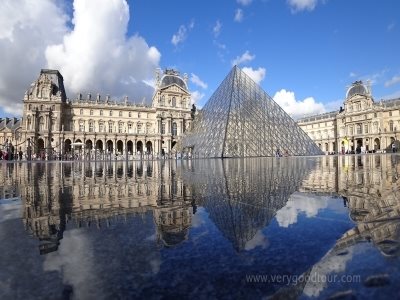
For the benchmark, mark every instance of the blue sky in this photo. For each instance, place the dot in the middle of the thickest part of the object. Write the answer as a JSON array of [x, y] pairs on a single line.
[[304, 53]]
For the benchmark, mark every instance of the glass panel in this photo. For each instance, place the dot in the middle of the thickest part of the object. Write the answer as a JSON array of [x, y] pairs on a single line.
[[241, 120]]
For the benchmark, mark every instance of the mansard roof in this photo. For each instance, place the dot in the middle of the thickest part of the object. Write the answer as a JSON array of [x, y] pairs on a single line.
[[172, 77], [10, 123]]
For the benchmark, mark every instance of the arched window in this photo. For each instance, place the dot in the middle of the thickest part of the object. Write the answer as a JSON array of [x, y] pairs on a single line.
[[375, 127], [173, 102], [101, 126], [120, 125], [391, 127], [110, 126], [163, 128], [148, 127], [101, 112], [174, 129], [81, 112], [162, 103], [110, 113], [81, 126], [91, 112], [41, 124], [184, 103], [359, 129], [91, 126]]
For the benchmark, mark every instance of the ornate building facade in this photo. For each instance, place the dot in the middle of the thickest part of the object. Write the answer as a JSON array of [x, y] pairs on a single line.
[[363, 125], [91, 126]]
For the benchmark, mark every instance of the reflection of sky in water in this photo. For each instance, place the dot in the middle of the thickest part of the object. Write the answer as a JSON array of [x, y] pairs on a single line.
[[259, 223]]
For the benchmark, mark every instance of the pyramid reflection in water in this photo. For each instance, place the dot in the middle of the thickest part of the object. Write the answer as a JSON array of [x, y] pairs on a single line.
[[241, 120]]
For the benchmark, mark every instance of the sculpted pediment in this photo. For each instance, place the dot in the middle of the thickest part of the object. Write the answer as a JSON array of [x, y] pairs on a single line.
[[174, 88]]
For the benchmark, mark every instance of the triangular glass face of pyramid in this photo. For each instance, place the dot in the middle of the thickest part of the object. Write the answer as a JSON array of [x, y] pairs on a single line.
[[242, 120]]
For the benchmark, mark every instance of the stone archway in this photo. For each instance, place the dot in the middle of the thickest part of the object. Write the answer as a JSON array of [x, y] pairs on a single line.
[[120, 147], [110, 146], [139, 146], [149, 147], [129, 145], [40, 148], [89, 145], [377, 144], [99, 145], [359, 144], [67, 146]]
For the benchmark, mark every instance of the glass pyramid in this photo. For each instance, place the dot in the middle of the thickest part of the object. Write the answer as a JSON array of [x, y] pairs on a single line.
[[241, 120]]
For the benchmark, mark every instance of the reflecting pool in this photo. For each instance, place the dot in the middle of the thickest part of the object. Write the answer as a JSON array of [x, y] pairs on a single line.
[[285, 228]]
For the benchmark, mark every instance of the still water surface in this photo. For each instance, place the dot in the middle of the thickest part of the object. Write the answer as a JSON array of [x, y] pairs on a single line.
[[305, 228]]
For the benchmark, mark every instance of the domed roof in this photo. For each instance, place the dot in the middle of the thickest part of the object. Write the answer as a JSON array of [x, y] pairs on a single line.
[[357, 88], [171, 77]]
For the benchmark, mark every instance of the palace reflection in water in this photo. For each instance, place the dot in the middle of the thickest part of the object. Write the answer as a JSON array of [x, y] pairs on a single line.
[[252, 206]]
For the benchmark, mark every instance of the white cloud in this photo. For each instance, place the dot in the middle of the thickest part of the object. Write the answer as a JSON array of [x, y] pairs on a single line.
[[295, 108], [220, 45], [180, 36], [197, 81], [245, 57], [75, 262], [392, 81], [330, 264], [391, 26], [25, 31], [257, 75], [300, 5], [238, 15], [352, 74], [393, 95], [258, 240], [217, 28], [96, 55], [244, 2], [197, 96], [300, 203], [375, 77], [182, 33]]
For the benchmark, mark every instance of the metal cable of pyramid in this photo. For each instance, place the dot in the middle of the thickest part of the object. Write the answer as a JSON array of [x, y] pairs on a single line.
[[241, 120]]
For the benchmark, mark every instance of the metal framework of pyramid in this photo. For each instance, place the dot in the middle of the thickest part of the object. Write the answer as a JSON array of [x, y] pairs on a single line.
[[242, 120]]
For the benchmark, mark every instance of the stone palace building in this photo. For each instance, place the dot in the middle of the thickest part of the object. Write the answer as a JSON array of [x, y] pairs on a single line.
[[363, 125], [92, 126]]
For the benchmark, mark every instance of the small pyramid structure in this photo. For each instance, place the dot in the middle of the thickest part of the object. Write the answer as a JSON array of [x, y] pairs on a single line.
[[242, 120]]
